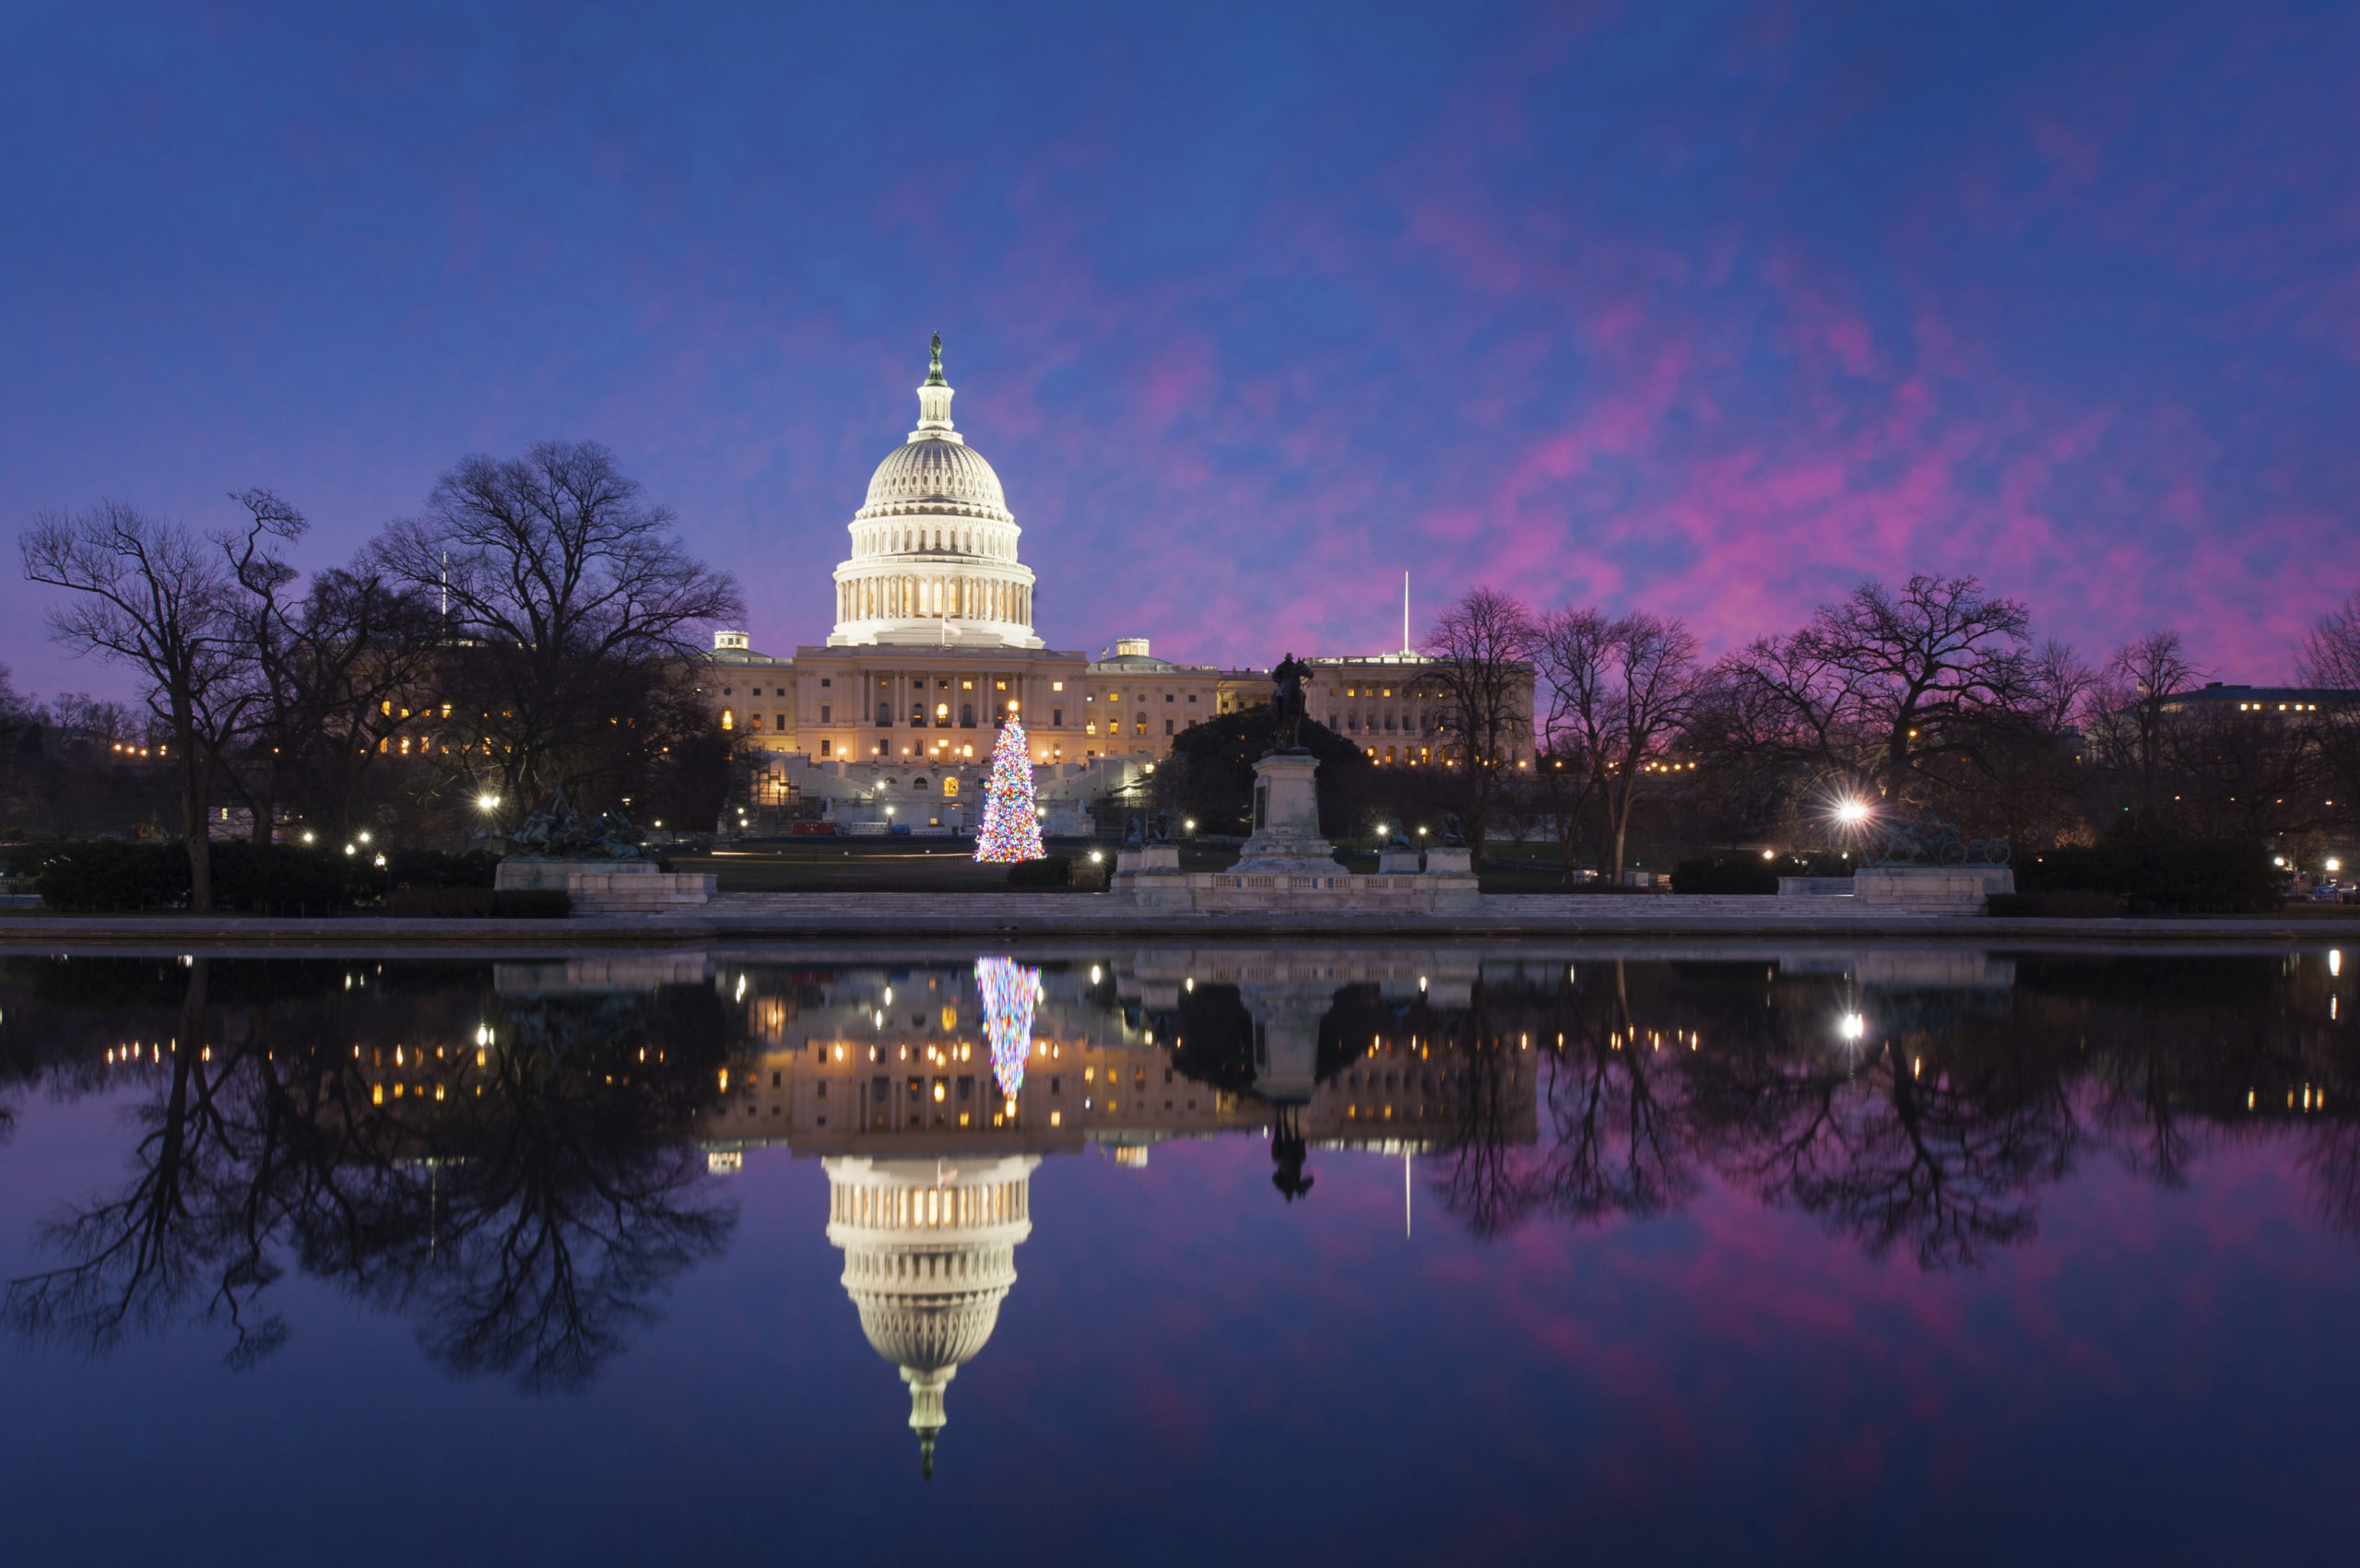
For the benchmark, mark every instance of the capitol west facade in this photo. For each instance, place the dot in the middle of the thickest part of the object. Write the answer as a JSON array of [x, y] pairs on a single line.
[[933, 650]]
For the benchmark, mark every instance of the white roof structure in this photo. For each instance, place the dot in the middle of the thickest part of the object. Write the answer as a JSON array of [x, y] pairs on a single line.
[[934, 558]]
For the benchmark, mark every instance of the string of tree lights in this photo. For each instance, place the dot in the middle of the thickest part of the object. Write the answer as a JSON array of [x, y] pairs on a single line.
[[1011, 826], [1010, 991]]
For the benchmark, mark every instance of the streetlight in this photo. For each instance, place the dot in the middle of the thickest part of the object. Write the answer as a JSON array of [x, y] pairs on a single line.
[[2335, 866], [487, 802], [1852, 813], [1852, 1026]]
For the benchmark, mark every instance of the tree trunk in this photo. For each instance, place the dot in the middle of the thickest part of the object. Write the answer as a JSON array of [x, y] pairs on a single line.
[[193, 827], [1618, 810]]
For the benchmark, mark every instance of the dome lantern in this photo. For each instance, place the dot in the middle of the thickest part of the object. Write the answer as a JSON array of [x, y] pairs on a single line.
[[934, 400]]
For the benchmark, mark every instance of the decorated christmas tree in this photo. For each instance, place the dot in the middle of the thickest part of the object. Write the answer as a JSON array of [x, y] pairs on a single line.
[[1009, 830], [1009, 990]]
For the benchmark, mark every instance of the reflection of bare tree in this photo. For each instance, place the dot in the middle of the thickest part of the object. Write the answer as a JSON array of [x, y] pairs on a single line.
[[1618, 1147], [188, 1226], [552, 1232], [2330, 1162], [1938, 1152], [529, 1219], [1482, 1181], [1609, 1142]]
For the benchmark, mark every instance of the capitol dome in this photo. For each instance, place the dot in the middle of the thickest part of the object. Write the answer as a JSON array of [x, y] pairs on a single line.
[[930, 1253], [934, 478], [933, 559]]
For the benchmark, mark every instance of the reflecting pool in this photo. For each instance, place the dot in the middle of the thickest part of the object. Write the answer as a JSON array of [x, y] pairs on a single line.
[[1166, 1255]]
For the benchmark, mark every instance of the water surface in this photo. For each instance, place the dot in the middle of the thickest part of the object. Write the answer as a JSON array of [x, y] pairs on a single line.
[[1391, 1255]]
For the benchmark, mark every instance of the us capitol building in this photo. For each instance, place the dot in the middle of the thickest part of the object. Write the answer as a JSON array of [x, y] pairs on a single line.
[[894, 717]]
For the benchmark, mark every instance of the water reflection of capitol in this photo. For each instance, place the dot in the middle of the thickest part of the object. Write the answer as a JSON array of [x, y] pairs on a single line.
[[931, 1095]]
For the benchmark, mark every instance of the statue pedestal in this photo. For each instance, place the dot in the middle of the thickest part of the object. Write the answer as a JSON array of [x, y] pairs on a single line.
[[1286, 864], [1955, 890], [608, 886], [1286, 838], [1397, 862], [1156, 859], [551, 876], [1450, 861]]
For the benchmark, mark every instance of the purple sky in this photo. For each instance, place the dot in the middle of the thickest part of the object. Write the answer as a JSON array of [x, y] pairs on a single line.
[[1712, 309]]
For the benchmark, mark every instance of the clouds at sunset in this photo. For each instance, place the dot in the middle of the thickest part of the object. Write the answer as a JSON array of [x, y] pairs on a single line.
[[1710, 310]]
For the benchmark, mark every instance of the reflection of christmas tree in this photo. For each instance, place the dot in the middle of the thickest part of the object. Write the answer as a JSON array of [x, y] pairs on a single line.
[[1009, 831], [1009, 990]]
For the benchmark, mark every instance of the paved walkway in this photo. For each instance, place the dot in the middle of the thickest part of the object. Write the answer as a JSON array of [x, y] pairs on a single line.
[[738, 918]]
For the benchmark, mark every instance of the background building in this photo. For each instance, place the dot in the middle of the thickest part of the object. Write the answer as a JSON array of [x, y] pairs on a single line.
[[933, 651]]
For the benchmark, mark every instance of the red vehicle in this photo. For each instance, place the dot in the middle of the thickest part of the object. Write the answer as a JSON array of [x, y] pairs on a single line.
[[810, 829]]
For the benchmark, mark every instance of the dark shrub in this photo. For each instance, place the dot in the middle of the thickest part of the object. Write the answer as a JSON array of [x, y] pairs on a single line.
[[440, 903], [2159, 875], [1726, 874], [98, 877], [533, 903], [2072, 904], [434, 869], [278, 879], [1050, 871], [285, 878]]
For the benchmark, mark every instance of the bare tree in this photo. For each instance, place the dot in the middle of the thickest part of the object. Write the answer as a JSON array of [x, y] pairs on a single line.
[[1482, 649], [321, 667], [157, 597], [1619, 694], [567, 594], [2331, 659], [2135, 695], [2060, 685], [1885, 691], [2330, 655]]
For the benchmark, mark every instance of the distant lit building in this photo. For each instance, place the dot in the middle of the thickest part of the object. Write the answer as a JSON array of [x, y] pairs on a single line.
[[2293, 701]]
